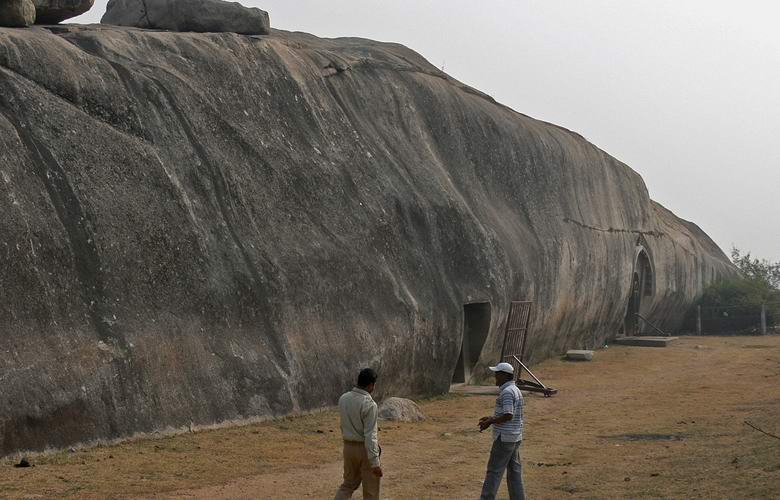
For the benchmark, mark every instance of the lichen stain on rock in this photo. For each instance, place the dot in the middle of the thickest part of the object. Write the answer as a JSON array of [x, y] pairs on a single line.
[[261, 228]]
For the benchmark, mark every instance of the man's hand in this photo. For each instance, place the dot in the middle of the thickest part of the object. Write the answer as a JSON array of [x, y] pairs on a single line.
[[484, 423], [377, 471]]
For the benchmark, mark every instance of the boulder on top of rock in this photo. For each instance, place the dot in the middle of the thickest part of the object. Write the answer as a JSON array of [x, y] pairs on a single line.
[[400, 410], [56, 11], [17, 13], [212, 16]]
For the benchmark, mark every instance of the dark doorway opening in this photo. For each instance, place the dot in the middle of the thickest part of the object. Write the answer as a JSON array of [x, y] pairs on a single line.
[[476, 326], [634, 301], [642, 285]]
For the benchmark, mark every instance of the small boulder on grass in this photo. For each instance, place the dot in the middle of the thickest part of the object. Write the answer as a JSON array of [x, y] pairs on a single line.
[[400, 410]]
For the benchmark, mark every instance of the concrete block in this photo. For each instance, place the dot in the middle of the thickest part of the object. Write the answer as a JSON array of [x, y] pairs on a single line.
[[579, 355], [645, 341]]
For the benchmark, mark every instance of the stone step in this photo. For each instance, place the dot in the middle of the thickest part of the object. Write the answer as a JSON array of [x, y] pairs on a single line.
[[579, 355], [645, 341], [473, 389]]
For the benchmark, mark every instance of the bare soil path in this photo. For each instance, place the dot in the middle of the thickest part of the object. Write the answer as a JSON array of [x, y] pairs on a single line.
[[634, 423]]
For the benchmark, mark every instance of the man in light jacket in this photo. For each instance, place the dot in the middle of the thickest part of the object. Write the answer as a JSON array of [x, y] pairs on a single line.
[[507, 422], [361, 446]]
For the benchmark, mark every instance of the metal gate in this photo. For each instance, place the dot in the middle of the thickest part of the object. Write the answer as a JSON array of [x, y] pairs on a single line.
[[513, 350], [516, 333]]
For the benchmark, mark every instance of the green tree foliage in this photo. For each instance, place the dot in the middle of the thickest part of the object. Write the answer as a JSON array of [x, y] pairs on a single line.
[[760, 271], [743, 297]]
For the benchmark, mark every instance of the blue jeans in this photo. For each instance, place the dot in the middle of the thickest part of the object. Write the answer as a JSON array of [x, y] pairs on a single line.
[[504, 457]]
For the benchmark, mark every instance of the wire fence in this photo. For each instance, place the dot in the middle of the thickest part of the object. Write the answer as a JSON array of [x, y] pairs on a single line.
[[744, 319]]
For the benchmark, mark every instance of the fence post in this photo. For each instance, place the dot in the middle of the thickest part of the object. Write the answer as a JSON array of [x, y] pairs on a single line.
[[698, 320], [763, 319]]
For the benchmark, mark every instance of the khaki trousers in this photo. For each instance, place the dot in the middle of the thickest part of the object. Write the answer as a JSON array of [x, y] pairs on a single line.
[[357, 469]]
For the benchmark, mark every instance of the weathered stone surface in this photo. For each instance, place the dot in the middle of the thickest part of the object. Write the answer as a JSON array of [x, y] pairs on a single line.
[[579, 355], [201, 227], [400, 410], [56, 11], [215, 16], [17, 13]]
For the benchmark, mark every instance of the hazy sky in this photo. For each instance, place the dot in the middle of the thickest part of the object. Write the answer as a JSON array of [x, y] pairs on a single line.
[[685, 92]]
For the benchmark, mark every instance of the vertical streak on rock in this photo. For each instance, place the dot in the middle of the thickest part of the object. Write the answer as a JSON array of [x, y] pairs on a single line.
[[76, 223], [222, 195], [279, 351], [146, 15]]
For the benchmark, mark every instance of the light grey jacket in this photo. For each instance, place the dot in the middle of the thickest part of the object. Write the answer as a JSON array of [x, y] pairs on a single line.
[[358, 421]]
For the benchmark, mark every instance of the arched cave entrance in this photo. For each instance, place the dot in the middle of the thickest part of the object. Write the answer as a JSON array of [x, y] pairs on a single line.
[[476, 326], [642, 285]]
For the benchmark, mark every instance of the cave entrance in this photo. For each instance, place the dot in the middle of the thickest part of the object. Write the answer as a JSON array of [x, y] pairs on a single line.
[[476, 326], [642, 285], [634, 301]]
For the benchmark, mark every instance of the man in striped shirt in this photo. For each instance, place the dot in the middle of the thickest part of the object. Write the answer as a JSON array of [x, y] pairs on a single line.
[[507, 423]]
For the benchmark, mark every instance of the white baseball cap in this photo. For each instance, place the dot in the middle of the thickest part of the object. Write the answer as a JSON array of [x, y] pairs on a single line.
[[503, 367]]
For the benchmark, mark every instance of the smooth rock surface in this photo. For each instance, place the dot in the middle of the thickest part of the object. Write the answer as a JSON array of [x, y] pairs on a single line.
[[203, 227], [579, 355], [17, 13], [400, 410], [56, 11], [215, 16]]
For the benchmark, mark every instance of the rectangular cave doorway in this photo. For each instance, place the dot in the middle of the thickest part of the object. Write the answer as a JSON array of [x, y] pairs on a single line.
[[476, 326]]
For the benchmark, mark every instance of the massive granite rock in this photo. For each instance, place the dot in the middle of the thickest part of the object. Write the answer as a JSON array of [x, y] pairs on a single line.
[[214, 16], [56, 11], [207, 227], [17, 13]]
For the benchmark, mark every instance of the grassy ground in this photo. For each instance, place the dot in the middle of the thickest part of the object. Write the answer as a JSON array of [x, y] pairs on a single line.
[[634, 423]]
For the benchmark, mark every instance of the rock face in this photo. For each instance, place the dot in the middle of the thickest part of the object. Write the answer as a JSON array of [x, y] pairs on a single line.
[[194, 227], [400, 410], [201, 16], [56, 11], [17, 13]]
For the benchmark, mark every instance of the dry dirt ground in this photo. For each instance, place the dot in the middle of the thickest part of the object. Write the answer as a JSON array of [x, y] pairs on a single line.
[[634, 423]]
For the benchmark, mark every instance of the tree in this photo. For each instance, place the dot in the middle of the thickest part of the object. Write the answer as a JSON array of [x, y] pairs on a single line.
[[735, 304], [761, 271]]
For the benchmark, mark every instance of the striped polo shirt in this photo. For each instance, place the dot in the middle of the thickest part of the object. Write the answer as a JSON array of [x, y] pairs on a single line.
[[510, 400]]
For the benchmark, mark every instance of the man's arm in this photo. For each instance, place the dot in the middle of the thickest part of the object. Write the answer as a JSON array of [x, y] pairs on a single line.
[[486, 422], [507, 412], [370, 429]]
